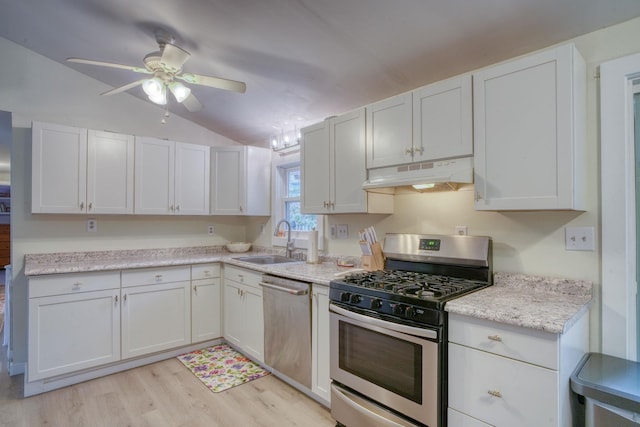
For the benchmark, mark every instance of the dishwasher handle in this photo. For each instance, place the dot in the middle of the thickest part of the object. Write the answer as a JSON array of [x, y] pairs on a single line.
[[292, 291]]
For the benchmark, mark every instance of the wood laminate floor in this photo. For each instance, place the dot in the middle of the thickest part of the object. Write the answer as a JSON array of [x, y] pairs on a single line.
[[157, 395]]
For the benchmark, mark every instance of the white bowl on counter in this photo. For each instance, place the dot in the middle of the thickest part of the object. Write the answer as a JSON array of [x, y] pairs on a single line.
[[238, 246]]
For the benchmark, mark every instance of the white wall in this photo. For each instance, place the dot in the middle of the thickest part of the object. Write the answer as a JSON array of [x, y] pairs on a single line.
[[524, 242], [527, 242], [33, 87]]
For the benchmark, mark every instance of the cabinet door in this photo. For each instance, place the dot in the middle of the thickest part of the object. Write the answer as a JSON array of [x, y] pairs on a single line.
[[154, 176], [59, 169], [321, 377], [442, 120], [72, 332], [110, 158], [348, 169], [315, 164], [205, 310], [390, 132], [192, 179], [527, 122], [227, 183], [258, 181], [253, 331], [155, 318], [233, 312]]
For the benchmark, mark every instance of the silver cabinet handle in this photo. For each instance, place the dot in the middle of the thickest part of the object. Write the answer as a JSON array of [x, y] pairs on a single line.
[[116, 300], [408, 150], [418, 150], [494, 393], [124, 297], [76, 286], [195, 289], [90, 206], [177, 208], [81, 206], [495, 338], [478, 197]]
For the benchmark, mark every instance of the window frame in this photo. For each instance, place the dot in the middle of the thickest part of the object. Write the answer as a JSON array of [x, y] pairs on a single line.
[[300, 238]]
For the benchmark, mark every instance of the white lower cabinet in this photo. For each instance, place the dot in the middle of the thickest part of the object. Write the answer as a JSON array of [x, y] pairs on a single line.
[[243, 312], [321, 377], [74, 323], [206, 292], [156, 310], [505, 375]]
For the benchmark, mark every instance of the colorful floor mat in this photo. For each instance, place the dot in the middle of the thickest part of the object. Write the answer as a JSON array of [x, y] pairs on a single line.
[[220, 367]]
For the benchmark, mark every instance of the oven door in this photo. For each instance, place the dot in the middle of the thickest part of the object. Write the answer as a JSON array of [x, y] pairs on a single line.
[[392, 364]]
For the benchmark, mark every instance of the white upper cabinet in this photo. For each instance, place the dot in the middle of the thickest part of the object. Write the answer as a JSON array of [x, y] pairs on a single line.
[[80, 171], [529, 132], [315, 165], [240, 180], [192, 164], [389, 132], [333, 168], [171, 178], [110, 164], [442, 120]]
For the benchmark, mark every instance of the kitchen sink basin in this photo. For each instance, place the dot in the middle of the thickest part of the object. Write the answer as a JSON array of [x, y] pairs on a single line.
[[266, 259]]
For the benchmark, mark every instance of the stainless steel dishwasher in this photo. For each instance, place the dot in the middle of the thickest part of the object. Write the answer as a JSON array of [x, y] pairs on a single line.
[[287, 327]]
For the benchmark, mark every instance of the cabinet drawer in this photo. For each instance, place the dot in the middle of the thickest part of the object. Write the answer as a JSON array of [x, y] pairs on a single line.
[[458, 419], [242, 275], [152, 276], [59, 284], [529, 345], [501, 391], [205, 271]]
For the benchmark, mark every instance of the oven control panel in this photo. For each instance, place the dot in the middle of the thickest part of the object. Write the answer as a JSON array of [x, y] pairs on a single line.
[[398, 309]]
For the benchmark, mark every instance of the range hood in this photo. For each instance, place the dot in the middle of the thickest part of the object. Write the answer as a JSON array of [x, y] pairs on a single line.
[[440, 174]]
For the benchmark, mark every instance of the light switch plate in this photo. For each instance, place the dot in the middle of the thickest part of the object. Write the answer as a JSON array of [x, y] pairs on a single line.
[[580, 238]]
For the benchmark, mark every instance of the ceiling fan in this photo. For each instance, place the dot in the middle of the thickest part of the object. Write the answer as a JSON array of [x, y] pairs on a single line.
[[165, 68]]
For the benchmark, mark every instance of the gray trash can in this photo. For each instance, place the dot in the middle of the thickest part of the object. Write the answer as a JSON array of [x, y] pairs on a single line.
[[610, 387]]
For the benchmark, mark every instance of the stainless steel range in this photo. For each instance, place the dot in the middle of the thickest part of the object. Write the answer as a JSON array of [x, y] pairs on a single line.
[[389, 329]]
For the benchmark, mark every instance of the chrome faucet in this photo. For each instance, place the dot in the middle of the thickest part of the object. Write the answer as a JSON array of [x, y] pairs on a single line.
[[289, 242]]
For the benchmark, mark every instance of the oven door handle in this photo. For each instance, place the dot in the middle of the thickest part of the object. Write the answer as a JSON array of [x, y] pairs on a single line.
[[405, 329]]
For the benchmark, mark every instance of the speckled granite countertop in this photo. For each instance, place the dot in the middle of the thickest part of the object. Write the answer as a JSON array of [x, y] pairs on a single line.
[[78, 262], [548, 304]]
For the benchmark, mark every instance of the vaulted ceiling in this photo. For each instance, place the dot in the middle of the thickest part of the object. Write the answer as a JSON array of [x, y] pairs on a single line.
[[302, 60]]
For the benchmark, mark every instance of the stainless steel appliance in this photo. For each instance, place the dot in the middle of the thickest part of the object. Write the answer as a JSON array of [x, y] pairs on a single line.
[[388, 331], [287, 327]]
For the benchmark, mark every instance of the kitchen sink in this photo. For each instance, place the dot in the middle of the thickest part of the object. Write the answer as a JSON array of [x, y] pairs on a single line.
[[266, 259]]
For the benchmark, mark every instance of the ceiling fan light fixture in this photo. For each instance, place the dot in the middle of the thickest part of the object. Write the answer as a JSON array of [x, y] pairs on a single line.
[[180, 91], [153, 87], [159, 98]]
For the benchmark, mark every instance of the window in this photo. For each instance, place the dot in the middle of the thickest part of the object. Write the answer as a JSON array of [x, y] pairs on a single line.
[[291, 202], [287, 204]]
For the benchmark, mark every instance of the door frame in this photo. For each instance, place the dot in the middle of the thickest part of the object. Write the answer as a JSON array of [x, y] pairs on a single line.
[[619, 335]]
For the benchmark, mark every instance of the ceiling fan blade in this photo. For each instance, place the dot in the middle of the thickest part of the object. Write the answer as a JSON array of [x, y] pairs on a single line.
[[124, 88], [192, 104], [216, 82], [109, 64], [174, 57]]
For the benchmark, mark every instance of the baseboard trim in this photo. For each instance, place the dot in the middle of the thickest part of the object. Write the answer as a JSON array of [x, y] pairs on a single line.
[[54, 383]]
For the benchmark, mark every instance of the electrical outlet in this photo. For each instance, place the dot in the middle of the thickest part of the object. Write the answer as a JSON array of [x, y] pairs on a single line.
[[580, 238], [92, 225], [343, 231], [333, 231], [462, 230], [210, 230]]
